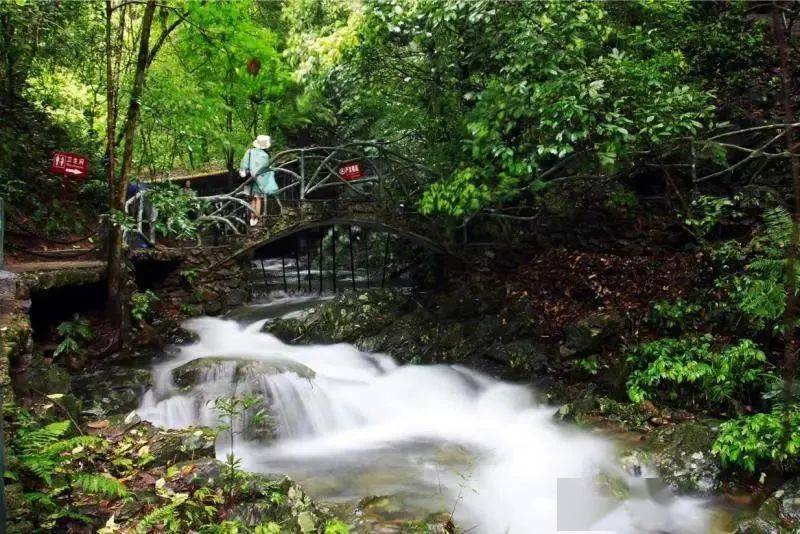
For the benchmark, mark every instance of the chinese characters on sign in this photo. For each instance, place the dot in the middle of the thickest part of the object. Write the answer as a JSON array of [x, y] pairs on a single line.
[[69, 164], [351, 171]]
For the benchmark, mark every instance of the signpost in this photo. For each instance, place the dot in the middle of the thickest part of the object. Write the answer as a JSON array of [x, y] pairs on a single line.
[[351, 171], [69, 164]]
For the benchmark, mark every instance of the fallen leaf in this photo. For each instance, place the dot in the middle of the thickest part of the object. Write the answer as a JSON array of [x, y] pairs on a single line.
[[97, 425]]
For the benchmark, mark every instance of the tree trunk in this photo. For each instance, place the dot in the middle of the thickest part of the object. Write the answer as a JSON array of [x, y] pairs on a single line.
[[117, 261], [789, 358]]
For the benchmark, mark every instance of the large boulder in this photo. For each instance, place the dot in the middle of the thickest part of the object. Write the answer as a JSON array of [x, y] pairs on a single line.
[[683, 457], [111, 389], [587, 335], [779, 514], [191, 374], [523, 354]]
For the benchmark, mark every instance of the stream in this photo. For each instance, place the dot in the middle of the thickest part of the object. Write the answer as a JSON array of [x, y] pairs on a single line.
[[433, 438]]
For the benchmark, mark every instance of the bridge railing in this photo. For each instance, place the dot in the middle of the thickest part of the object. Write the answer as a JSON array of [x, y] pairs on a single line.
[[305, 175]]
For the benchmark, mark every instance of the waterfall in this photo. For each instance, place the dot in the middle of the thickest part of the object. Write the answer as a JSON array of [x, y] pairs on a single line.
[[350, 424]]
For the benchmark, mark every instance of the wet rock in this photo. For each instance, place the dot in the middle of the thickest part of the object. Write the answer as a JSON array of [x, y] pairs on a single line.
[[523, 354], [111, 389], [779, 514], [588, 334], [235, 297], [285, 329], [192, 373], [757, 526], [212, 307], [683, 457], [575, 410], [37, 375]]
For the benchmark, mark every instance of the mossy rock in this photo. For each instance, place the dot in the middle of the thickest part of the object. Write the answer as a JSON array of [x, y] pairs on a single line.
[[683, 456], [37, 375], [523, 354], [758, 526], [173, 446], [285, 329], [779, 514], [114, 389], [588, 335], [191, 374]]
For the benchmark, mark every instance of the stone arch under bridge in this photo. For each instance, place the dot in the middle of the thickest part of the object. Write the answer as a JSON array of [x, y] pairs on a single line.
[[306, 216]]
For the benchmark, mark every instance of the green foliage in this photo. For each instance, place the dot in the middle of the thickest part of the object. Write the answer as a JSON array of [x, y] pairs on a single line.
[[236, 413], [53, 465], [678, 315], [177, 209], [73, 336], [102, 485], [142, 305], [590, 365], [268, 528], [202, 103], [759, 293], [504, 98], [336, 527], [182, 512], [689, 372], [752, 441], [706, 213], [95, 194], [190, 275], [39, 451], [621, 201]]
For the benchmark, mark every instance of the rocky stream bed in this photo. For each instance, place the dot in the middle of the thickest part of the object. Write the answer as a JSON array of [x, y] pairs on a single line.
[[418, 328]]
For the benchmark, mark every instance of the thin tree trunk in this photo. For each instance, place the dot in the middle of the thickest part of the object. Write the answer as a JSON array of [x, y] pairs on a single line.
[[117, 262], [789, 357]]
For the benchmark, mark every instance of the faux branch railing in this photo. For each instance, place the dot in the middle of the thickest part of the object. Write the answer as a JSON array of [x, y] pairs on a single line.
[[304, 175]]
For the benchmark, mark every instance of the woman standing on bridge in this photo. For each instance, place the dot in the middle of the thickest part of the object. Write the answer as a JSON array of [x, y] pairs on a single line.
[[255, 165]]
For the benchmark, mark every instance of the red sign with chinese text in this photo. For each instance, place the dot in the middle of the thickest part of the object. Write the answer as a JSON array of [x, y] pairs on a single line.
[[351, 171], [69, 164]]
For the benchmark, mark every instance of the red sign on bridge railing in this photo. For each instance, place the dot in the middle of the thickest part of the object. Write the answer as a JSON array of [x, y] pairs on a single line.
[[351, 171], [69, 164]]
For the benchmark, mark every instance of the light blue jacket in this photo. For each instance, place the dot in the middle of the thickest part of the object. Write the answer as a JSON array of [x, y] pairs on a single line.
[[256, 161]]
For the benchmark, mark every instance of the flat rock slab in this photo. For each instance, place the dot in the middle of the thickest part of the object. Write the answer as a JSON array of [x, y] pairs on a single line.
[[65, 265]]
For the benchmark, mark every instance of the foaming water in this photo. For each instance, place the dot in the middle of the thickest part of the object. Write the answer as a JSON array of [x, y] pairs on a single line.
[[351, 424]]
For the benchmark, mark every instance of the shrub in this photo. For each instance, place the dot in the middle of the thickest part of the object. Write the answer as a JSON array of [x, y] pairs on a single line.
[[759, 293], [679, 315], [336, 527], [706, 212], [142, 305], [687, 370], [751, 441], [73, 336]]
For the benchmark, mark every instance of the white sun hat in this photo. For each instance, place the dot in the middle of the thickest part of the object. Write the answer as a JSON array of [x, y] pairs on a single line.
[[263, 141]]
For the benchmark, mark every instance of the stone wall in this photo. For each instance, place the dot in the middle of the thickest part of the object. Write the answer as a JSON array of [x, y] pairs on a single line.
[[15, 329], [193, 288]]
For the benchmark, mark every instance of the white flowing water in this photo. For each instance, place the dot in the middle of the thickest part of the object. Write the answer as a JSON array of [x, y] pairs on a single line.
[[434, 437]]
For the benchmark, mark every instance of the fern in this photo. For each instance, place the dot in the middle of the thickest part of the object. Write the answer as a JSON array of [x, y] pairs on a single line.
[[43, 467], [73, 443], [103, 485], [156, 517], [35, 440]]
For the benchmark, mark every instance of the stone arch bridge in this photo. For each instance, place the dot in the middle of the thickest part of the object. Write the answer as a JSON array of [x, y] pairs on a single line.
[[361, 184], [366, 185]]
